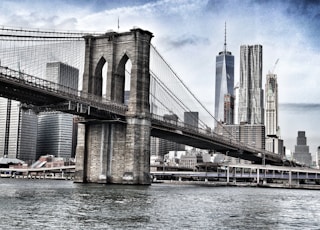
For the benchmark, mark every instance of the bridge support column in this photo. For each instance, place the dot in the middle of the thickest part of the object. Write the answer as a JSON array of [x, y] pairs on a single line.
[[137, 156], [290, 178], [92, 153], [80, 171], [228, 174], [117, 152]]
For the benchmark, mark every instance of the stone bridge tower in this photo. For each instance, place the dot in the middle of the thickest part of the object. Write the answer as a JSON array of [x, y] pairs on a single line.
[[117, 152]]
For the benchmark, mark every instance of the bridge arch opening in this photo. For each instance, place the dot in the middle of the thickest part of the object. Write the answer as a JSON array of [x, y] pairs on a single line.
[[124, 78], [104, 79], [97, 85]]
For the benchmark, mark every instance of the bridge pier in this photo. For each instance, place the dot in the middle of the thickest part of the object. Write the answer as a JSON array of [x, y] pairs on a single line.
[[117, 150], [114, 153]]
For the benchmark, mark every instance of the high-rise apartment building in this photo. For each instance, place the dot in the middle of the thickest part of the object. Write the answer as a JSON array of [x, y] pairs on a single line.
[[301, 153], [251, 109], [224, 81], [56, 129]]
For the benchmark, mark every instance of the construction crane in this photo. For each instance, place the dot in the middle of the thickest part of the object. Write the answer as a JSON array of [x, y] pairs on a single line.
[[274, 67]]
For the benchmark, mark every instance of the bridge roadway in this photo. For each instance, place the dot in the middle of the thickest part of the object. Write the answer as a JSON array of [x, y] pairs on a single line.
[[42, 95], [46, 95]]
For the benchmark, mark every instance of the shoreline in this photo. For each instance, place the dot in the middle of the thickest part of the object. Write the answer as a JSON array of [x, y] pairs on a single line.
[[198, 183], [235, 184]]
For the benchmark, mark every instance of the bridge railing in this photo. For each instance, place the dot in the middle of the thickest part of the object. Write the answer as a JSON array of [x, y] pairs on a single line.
[[208, 133], [62, 91]]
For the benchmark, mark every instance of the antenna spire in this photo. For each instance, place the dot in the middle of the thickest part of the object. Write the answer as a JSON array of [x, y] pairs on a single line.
[[118, 24], [225, 37]]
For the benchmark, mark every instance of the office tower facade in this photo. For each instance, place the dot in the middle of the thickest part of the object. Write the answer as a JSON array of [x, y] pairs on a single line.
[[271, 106], [251, 109], [165, 145], [301, 153], [273, 141], [236, 104], [251, 135], [55, 134], [229, 108], [318, 157], [18, 131], [191, 119], [62, 74], [56, 129], [224, 80]]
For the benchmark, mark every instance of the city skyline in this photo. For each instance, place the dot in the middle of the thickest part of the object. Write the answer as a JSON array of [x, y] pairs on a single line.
[[189, 28]]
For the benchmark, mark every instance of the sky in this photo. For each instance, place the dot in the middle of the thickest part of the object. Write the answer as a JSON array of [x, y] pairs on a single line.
[[190, 33]]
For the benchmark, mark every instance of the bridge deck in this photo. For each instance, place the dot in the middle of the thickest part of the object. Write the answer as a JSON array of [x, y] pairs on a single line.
[[46, 95]]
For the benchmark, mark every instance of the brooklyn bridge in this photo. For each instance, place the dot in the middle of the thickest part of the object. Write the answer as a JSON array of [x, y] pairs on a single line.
[[113, 132]]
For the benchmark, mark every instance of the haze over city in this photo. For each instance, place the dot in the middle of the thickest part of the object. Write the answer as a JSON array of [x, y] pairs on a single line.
[[190, 33]]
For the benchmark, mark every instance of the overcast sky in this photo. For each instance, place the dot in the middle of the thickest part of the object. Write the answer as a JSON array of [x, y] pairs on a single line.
[[190, 33]]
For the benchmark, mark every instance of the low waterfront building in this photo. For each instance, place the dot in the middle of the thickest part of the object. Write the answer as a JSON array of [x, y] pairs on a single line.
[[190, 160]]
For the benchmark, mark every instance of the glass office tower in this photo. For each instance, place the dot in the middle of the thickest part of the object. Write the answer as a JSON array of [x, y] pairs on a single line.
[[56, 129], [18, 131], [224, 82]]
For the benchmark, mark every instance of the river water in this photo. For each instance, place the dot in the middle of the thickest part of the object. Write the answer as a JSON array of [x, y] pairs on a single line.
[[52, 204]]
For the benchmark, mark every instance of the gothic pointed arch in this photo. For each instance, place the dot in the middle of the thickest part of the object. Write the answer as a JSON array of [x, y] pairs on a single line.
[[120, 79], [97, 82]]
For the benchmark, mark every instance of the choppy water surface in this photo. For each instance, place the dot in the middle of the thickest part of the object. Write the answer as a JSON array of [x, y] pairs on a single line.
[[48, 204]]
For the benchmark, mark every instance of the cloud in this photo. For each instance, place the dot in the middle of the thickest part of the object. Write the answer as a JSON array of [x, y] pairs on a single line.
[[300, 107], [186, 40]]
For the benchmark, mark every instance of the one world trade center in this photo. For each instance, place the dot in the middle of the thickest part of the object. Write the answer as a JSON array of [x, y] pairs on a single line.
[[224, 88]]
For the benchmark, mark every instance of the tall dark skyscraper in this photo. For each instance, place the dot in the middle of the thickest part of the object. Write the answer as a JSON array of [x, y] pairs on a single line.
[[251, 109], [301, 153], [224, 82]]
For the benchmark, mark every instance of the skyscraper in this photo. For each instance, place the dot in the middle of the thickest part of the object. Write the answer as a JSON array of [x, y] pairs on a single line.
[[301, 153], [165, 145], [191, 119], [250, 89], [224, 81], [273, 141], [271, 106], [18, 130], [56, 129]]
